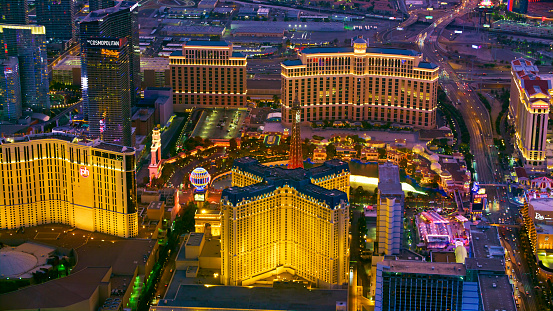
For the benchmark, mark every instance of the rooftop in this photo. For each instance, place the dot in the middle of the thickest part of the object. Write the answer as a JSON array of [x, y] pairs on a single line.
[[98, 15], [423, 267], [300, 179], [195, 239], [485, 264], [496, 293], [388, 179], [57, 294], [542, 204], [280, 297], [69, 138], [370, 50], [207, 43], [485, 241]]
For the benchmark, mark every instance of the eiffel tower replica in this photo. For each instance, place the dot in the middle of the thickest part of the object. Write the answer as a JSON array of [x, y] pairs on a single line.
[[296, 158]]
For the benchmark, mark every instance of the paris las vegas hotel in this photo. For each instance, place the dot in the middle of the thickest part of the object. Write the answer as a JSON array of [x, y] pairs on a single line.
[[277, 220], [361, 83], [58, 178]]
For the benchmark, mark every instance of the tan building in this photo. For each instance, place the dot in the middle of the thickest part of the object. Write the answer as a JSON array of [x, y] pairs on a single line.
[[208, 74], [277, 221], [57, 178], [208, 221], [361, 83], [531, 97]]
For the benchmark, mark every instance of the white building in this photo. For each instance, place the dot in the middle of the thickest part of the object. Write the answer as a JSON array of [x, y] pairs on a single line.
[[389, 218]]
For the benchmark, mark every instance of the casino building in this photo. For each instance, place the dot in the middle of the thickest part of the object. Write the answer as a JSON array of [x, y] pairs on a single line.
[[277, 220], [208, 74], [531, 97], [361, 83], [57, 178]]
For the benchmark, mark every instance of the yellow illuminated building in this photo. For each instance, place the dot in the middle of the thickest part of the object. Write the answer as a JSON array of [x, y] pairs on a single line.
[[531, 97], [276, 220], [208, 74], [360, 83], [208, 220], [57, 178]]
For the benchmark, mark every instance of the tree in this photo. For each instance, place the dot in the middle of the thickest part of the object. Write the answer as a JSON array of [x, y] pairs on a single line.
[[232, 144], [330, 151], [381, 153]]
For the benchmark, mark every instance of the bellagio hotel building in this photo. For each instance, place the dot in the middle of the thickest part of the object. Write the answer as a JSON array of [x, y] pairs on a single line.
[[276, 220], [360, 83], [57, 178], [208, 74]]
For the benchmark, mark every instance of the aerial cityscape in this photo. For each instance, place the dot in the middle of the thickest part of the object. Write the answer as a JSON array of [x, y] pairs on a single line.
[[271, 155]]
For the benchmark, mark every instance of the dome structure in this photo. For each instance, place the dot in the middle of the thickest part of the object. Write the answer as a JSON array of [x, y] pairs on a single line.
[[434, 158], [14, 263], [418, 149], [200, 178], [436, 167]]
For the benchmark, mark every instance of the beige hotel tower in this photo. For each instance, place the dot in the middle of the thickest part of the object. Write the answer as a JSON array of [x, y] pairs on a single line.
[[208, 74], [361, 83], [57, 178], [277, 220]]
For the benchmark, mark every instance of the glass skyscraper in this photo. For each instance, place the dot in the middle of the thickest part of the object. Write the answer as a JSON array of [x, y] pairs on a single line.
[[14, 12], [119, 21], [108, 83], [58, 17], [28, 44], [10, 90]]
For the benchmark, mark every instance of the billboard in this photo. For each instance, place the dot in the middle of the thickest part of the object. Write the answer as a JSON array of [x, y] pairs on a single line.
[[518, 6]]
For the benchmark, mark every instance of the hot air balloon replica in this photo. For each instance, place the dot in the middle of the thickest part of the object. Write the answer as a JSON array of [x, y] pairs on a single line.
[[200, 178]]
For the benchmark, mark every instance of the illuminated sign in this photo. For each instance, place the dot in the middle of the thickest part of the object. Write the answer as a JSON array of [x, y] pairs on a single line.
[[400, 28], [102, 126], [109, 52], [539, 217], [199, 197], [476, 46], [480, 196], [475, 187], [8, 70], [486, 25], [84, 171], [94, 42], [429, 17], [458, 31]]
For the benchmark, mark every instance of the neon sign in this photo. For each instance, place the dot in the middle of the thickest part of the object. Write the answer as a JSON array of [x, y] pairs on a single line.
[[84, 171]]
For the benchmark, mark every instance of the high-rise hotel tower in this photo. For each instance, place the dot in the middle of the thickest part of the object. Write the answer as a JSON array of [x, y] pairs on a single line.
[[278, 220], [531, 98], [56, 178], [208, 74], [360, 83]]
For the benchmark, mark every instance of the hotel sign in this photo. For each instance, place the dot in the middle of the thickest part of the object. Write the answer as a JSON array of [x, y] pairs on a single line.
[[94, 42], [83, 170]]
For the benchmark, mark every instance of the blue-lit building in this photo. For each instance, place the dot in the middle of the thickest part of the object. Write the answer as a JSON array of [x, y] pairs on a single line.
[[276, 221], [28, 44], [58, 17], [14, 12], [10, 90]]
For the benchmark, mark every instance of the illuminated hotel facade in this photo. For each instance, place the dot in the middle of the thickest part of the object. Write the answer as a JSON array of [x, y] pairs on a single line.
[[276, 220], [360, 83], [531, 97], [55, 178], [208, 74]]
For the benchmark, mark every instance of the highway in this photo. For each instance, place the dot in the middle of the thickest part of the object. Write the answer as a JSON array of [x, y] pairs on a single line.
[[479, 125]]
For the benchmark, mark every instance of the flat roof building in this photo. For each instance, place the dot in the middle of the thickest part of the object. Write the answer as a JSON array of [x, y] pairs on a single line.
[[282, 296], [361, 83], [389, 228], [58, 178], [208, 74], [531, 98]]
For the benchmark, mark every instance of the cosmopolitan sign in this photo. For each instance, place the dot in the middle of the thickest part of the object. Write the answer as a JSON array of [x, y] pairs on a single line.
[[106, 43]]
